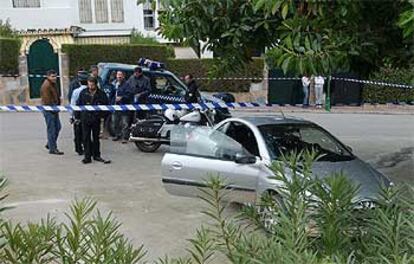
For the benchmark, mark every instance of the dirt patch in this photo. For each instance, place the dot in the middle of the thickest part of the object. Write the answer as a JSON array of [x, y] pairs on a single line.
[[393, 159]]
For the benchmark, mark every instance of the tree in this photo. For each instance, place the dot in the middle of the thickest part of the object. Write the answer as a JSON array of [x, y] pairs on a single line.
[[303, 37], [6, 29]]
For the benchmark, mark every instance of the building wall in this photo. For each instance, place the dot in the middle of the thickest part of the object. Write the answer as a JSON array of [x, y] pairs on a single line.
[[51, 14], [65, 13]]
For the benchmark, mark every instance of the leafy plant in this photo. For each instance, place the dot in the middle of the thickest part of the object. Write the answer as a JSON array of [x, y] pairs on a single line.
[[301, 37], [138, 38], [380, 94], [89, 237], [315, 220], [6, 30]]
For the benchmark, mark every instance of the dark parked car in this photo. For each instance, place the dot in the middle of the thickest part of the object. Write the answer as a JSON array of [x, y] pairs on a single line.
[[166, 88]]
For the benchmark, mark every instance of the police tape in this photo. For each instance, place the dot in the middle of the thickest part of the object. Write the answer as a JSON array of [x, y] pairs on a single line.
[[129, 107], [373, 82]]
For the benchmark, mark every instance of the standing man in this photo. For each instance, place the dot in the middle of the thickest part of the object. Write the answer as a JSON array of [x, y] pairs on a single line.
[[77, 126], [319, 82], [50, 96], [305, 85], [193, 94], [141, 88], [122, 119], [95, 73], [91, 120], [75, 83]]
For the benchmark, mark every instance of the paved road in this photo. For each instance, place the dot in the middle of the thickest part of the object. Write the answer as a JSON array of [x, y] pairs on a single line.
[[131, 188]]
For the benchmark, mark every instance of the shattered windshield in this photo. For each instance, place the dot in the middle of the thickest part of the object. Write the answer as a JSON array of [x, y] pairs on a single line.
[[285, 138]]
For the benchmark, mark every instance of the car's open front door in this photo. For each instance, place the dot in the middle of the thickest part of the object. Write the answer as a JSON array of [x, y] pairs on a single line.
[[198, 154]]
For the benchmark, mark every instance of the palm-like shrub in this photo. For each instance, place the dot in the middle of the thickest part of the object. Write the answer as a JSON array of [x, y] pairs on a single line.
[[315, 220], [87, 237]]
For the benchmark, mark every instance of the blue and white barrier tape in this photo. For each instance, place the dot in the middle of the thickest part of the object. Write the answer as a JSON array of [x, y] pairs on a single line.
[[134, 107], [380, 83]]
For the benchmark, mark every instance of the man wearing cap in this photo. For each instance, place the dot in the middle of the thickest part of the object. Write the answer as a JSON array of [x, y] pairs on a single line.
[[140, 87], [77, 125], [75, 83], [91, 120]]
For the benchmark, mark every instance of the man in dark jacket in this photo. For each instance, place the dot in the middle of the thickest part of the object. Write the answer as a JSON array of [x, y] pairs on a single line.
[[50, 96], [91, 120], [193, 95], [122, 119], [141, 88], [75, 83]]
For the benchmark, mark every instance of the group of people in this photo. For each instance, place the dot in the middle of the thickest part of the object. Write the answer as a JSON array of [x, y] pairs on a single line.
[[89, 89], [313, 90]]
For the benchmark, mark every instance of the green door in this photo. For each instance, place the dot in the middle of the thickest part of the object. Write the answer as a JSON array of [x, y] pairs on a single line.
[[40, 59]]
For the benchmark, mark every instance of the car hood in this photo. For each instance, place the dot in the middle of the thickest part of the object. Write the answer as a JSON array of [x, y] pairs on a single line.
[[360, 173]]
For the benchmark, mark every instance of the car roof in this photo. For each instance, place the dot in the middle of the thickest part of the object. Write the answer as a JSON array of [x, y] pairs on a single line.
[[260, 120], [114, 65]]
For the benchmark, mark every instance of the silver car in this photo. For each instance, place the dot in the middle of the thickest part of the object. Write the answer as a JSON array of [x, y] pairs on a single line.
[[240, 150]]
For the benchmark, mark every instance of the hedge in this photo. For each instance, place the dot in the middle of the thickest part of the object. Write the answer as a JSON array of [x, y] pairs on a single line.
[[201, 67], [9, 55], [381, 94], [85, 55]]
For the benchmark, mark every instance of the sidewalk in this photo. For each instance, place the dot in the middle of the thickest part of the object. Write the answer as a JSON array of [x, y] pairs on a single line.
[[384, 109]]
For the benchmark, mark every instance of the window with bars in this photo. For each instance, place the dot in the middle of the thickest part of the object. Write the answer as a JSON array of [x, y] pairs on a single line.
[[149, 15], [85, 11], [101, 11], [117, 11], [26, 3]]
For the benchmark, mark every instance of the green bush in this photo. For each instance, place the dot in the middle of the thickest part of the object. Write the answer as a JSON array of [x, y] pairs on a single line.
[[373, 93], [87, 237], [83, 56], [9, 55], [201, 68]]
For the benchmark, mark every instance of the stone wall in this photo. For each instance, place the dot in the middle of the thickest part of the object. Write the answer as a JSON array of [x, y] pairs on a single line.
[[16, 91]]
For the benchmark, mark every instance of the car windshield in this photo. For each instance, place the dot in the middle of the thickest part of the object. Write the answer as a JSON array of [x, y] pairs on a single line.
[[285, 138], [161, 83]]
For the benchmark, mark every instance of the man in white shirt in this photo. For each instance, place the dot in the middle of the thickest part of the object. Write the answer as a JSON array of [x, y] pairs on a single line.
[[319, 82], [305, 85]]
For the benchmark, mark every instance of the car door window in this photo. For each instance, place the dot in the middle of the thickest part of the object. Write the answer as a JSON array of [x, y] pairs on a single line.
[[205, 142], [243, 135], [166, 85]]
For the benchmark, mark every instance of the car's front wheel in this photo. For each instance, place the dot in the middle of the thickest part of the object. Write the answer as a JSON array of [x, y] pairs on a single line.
[[146, 146]]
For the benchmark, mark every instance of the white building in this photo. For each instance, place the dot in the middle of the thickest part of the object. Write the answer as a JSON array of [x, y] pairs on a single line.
[[96, 17]]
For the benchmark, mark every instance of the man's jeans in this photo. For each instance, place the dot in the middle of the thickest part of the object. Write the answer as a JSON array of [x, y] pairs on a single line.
[[53, 128], [121, 122]]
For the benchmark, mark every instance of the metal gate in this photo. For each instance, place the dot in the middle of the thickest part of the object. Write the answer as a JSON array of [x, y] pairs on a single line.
[[284, 91], [40, 59]]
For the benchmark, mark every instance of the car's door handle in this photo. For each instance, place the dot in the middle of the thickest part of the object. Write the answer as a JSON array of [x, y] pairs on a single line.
[[177, 165]]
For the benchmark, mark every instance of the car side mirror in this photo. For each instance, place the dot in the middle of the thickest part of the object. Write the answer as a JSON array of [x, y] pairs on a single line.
[[349, 149], [245, 159]]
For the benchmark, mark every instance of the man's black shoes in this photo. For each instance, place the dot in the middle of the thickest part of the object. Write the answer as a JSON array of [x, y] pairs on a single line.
[[99, 159], [116, 138], [86, 161], [56, 152]]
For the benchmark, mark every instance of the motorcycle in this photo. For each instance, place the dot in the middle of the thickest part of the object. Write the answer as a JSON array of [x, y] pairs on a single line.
[[149, 134]]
